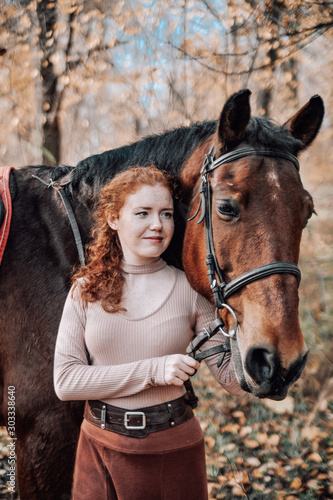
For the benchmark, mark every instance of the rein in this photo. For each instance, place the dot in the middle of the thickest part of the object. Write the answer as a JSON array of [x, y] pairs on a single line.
[[222, 290], [59, 187]]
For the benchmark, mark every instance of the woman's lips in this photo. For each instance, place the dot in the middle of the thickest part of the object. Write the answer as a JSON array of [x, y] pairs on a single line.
[[158, 239]]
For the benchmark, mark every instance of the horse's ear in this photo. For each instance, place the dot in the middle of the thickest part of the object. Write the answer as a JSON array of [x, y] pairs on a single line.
[[305, 124], [233, 120]]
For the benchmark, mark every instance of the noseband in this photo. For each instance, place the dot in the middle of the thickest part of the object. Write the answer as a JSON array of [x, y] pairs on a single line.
[[222, 290]]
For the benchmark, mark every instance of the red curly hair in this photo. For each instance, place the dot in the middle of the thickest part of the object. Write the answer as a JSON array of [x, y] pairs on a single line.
[[103, 280]]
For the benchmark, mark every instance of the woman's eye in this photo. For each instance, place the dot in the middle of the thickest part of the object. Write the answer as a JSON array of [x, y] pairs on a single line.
[[167, 215], [142, 214]]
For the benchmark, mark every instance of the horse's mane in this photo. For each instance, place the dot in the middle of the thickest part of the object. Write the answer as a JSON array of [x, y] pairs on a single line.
[[169, 151]]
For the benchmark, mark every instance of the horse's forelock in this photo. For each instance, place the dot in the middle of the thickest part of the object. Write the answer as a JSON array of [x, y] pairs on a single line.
[[262, 132]]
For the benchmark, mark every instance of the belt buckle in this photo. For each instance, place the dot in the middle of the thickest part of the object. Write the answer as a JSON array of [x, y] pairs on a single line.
[[136, 414]]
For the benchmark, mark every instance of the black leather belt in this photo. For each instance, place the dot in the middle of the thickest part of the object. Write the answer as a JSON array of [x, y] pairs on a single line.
[[138, 423]]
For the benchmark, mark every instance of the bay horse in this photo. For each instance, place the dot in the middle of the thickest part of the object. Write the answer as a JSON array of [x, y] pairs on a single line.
[[257, 208]]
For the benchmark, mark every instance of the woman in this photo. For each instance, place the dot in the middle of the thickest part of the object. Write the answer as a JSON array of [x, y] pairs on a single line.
[[125, 327]]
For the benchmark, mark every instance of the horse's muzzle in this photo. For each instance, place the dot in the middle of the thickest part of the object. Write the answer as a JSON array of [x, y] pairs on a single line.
[[270, 379]]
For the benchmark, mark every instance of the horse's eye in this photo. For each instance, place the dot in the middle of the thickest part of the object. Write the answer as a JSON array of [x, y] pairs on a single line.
[[310, 209], [228, 210], [310, 214]]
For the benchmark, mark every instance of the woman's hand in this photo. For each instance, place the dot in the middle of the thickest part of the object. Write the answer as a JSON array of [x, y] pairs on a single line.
[[178, 368]]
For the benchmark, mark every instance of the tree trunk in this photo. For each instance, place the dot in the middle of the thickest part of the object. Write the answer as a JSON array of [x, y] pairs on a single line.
[[290, 72], [47, 17]]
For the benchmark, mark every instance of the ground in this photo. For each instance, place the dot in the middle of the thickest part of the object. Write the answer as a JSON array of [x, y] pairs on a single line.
[[270, 450]]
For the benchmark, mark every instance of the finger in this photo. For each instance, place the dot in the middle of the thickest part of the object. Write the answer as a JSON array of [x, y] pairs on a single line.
[[177, 381], [179, 378], [189, 370], [189, 366], [176, 376], [192, 362], [174, 380]]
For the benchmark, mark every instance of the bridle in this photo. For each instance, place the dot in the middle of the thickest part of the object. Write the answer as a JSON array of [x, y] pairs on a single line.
[[222, 290], [59, 187]]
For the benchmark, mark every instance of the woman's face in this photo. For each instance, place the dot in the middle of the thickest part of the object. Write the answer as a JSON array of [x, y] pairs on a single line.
[[145, 224]]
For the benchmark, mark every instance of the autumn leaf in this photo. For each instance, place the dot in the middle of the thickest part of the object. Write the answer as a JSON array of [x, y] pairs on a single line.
[[210, 441], [238, 477], [296, 483], [253, 461], [285, 406], [315, 457], [274, 439], [251, 443], [231, 428]]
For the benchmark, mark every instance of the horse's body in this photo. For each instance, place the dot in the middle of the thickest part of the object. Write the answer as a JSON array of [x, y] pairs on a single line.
[[36, 270]]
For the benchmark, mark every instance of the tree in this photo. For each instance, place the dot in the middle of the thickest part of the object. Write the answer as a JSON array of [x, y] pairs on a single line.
[[61, 38], [80, 76]]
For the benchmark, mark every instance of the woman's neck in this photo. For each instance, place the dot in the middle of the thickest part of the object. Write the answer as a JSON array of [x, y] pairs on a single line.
[[151, 267]]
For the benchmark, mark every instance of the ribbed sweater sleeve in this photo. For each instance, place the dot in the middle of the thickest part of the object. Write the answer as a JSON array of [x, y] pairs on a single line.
[[76, 379]]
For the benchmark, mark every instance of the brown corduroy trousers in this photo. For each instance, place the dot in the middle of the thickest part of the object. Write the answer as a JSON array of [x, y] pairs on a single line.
[[166, 465]]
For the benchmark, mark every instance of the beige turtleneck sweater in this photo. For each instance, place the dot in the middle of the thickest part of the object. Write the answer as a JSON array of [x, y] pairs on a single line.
[[119, 358]]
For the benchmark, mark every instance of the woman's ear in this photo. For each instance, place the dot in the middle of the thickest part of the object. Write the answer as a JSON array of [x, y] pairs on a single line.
[[113, 222]]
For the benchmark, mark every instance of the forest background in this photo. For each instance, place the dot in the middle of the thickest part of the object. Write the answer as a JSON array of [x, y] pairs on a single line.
[[81, 77]]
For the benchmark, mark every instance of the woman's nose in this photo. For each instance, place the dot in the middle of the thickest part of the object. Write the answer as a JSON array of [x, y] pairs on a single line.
[[156, 222]]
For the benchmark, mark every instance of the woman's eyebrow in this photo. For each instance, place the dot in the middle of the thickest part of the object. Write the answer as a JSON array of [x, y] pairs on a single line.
[[149, 208]]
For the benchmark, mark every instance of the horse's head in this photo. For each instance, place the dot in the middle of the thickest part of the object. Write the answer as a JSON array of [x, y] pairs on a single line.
[[258, 211]]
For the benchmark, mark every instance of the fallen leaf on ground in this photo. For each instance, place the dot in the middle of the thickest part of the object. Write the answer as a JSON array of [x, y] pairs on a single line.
[[274, 439], [238, 477], [253, 461], [227, 447], [296, 483], [251, 443], [238, 491], [245, 431], [257, 473], [285, 406], [210, 441], [258, 487], [312, 484], [262, 437], [315, 457], [231, 428]]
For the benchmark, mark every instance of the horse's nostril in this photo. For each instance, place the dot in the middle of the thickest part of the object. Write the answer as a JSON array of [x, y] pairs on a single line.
[[260, 364], [296, 369]]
